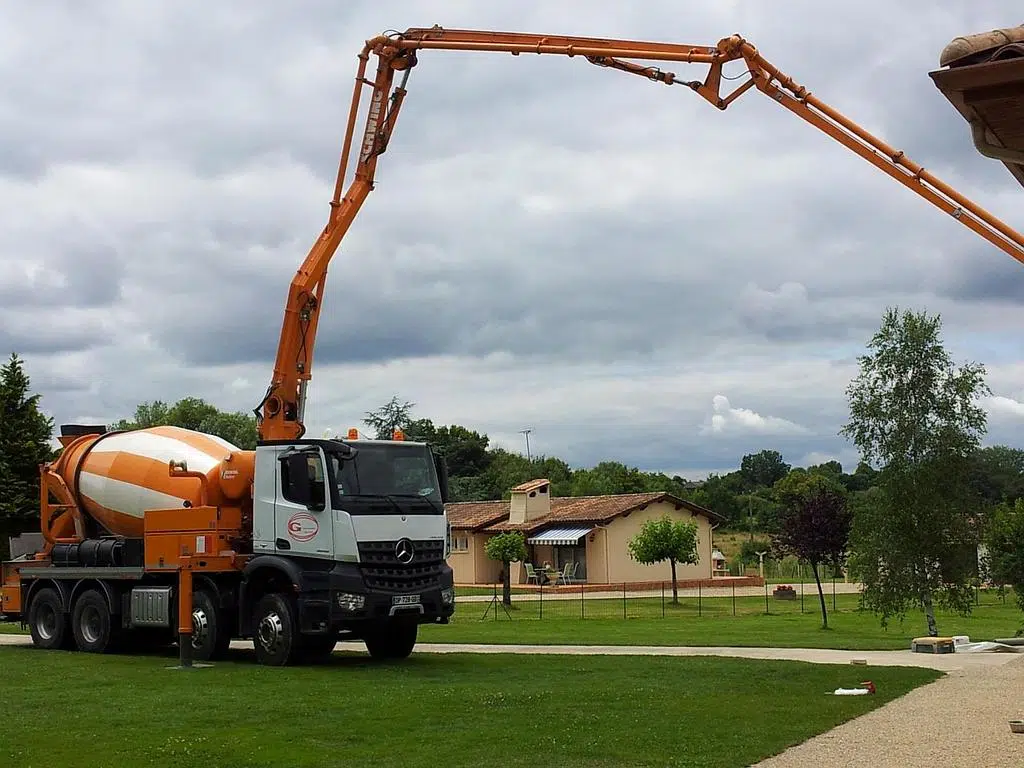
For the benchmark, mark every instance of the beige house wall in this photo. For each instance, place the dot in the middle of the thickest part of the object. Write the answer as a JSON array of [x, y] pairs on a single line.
[[487, 571], [622, 567], [472, 566], [462, 562]]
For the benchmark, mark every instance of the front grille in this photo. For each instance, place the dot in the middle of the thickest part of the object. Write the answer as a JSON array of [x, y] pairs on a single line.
[[382, 570]]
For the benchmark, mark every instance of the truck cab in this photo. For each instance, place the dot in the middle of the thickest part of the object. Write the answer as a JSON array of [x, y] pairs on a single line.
[[360, 527]]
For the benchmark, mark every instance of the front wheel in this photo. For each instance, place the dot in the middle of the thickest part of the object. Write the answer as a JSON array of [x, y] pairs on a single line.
[[393, 640], [276, 638], [317, 649]]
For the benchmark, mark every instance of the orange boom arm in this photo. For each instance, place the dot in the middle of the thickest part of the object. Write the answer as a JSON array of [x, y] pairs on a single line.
[[280, 415]]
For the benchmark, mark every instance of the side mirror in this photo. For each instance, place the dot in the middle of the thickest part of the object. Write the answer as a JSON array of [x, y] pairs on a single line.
[[441, 467], [297, 485]]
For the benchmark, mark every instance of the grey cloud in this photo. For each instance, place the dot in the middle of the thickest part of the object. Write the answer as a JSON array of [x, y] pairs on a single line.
[[670, 234]]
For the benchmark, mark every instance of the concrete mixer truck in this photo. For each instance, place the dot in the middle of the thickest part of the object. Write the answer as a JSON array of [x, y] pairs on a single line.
[[296, 545], [301, 541]]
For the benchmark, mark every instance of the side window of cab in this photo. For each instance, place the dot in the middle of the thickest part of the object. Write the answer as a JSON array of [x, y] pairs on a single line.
[[302, 480]]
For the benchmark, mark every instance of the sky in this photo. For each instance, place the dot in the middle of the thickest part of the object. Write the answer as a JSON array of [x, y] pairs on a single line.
[[612, 263]]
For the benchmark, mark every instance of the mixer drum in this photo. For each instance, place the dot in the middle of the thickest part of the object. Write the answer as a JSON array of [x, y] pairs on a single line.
[[118, 476]]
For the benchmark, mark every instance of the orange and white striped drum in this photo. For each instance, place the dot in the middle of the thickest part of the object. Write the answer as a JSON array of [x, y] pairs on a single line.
[[116, 477]]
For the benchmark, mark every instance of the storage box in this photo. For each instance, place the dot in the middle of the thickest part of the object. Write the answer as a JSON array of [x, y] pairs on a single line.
[[932, 645]]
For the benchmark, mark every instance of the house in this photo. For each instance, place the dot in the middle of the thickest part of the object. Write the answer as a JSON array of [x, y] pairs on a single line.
[[592, 531]]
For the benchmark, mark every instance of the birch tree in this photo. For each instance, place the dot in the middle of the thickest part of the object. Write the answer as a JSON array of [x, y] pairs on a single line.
[[917, 416]]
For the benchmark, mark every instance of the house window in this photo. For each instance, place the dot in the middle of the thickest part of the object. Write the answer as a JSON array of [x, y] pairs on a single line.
[[460, 543]]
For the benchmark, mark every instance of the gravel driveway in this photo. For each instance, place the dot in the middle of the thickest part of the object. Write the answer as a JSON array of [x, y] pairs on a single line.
[[957, 721]]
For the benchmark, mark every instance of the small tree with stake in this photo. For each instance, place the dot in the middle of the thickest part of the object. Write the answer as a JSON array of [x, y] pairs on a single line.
[[814, 523], [508, 548], [666, 539]]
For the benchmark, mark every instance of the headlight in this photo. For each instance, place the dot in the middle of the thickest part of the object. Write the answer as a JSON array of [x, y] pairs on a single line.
[[448, 595], [351, 602]]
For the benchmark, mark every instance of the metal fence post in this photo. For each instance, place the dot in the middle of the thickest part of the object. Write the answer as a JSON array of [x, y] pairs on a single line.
[[833, 589], [766, 597], [734, 598], [699, 582], [541, 602], [581, 600], [623, 599], [801, 566], [663, 599]]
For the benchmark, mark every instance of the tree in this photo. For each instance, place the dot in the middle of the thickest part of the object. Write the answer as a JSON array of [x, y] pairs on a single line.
[[666, 539], [763, 469], [508, 548], [814, 524], [464, 450], [238, 428], [25, 434], [1005, 543], [389, 417], [916, 414], [997, 474]]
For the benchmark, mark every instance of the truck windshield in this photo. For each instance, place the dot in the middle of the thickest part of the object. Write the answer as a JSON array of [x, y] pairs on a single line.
[[401, 472]]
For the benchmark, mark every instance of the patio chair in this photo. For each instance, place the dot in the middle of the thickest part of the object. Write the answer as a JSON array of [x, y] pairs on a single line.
[[531, 574], [566, 575]]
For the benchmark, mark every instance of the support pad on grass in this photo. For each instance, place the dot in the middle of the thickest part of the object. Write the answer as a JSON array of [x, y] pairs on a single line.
[[932, 645], [197, 665]]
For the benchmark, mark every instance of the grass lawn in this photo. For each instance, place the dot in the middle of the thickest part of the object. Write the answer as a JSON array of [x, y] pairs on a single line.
[[453, 710], [558, 622], [785, 626]]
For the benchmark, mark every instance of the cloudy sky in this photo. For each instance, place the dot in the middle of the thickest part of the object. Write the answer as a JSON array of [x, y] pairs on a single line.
[[607, 261]]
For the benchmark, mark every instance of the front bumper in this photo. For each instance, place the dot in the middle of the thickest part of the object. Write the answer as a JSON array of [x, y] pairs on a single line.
[[349, 605]]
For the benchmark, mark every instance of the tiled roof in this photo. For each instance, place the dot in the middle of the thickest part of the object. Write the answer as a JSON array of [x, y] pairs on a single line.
[[493, 515], [471, 515]]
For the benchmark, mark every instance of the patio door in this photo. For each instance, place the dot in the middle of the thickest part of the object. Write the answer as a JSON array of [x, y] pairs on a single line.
[[575, 554]]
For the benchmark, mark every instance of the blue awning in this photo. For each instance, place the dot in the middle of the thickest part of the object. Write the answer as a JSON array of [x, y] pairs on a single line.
[[563, 537]]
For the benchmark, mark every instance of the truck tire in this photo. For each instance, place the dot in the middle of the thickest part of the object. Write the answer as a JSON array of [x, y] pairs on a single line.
[[276, 639], [394, 640], [47, 621], [316, 649], [93, 624], [211, 635]]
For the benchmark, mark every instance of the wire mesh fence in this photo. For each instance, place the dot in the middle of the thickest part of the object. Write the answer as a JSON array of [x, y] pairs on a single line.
[[623, 602]]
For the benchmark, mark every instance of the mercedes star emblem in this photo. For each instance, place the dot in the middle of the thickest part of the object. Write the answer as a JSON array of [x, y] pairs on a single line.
[[404, 551]]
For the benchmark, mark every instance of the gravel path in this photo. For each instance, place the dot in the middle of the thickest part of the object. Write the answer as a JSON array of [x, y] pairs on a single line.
[[957, 721]]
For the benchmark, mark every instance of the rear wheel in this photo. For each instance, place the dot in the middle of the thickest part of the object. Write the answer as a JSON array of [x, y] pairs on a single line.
[[276, 640], [47, 620], [393, 640], [93, 624]]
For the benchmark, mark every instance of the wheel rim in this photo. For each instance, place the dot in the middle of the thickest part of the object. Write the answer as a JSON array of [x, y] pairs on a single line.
[[200, 627], [271, 632], [90, 624], [46, 623]]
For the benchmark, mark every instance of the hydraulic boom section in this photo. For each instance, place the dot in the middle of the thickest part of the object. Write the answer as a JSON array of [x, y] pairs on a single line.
[[280, 415]]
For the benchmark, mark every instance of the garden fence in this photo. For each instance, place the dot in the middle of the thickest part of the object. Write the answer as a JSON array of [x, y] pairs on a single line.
[[625, 601]]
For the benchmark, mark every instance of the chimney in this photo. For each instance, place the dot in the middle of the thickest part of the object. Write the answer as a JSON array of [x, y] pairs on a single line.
[[530, 501]]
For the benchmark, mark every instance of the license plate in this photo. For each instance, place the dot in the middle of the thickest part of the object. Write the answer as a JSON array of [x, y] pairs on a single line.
[[405, 600]]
